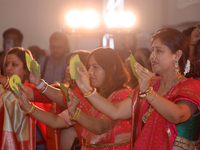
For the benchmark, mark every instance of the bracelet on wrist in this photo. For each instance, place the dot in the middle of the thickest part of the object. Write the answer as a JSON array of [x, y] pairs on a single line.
[[90, 93], [40, 85], [77, 115], [153, 98], [6, 85], [147, 92], [31, 110], [193, 44], [44, 88]]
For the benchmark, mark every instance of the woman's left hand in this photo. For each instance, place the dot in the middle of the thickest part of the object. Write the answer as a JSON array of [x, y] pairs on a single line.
[[34, 79], [145, 77], [24, 99]]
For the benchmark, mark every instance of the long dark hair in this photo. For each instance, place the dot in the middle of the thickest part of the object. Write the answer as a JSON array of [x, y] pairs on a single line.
[[20, 53], [175, 40], [111, 63]]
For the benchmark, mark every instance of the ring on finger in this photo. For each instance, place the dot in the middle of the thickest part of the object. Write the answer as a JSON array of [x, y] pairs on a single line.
[[146, 71]]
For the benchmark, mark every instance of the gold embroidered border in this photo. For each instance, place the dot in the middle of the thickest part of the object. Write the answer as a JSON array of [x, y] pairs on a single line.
[[106, 145], [182, 142]]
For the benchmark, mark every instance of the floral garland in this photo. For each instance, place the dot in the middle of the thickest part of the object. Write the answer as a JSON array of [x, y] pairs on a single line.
[[187, 67]]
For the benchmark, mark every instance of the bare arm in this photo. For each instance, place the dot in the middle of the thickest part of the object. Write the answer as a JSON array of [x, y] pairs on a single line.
[[195, 37], [175, 113], [52, 93], [93, 124], [121, 110], [53, 121]]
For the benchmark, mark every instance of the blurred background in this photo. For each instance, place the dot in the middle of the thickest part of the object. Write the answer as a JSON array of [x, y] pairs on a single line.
[[121, 24]]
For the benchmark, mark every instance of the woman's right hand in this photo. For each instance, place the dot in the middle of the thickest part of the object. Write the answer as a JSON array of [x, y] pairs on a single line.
[[2, 79], [145, 76], [24, 99], [83, 80], [34, 79], [73, 103], [195, 35]]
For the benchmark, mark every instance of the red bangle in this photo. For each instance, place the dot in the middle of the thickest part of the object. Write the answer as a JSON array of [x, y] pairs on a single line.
[[193, 44]]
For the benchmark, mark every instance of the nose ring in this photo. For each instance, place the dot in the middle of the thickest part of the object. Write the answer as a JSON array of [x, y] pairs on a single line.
[[154, 56]]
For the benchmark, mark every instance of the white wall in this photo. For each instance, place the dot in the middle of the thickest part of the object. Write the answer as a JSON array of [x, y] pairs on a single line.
[[38, 19]]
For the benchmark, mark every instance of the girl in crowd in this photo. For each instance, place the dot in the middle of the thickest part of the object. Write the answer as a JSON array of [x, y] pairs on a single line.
[[165, 109], [109, 76]]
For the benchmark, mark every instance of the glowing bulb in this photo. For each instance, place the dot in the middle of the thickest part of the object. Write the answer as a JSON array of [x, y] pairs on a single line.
[[73, 18], [111, 19], [127, 19], [90, 19]]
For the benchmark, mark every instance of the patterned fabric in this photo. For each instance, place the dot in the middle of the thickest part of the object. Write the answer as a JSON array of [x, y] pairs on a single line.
[[17, 131], [118, 127], [158, 133]]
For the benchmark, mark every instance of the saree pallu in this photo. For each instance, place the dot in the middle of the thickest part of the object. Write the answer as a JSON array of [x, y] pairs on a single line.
[[17, 131], [158, 133]]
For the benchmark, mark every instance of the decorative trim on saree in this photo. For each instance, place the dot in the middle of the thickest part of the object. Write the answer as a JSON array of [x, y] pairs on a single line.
[[182, 142], [106, 145]]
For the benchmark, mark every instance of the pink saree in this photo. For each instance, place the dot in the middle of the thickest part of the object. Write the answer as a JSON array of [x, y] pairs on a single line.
[[158, 133]]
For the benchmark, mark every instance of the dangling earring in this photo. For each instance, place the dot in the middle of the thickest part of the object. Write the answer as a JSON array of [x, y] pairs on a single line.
[[176, 71]]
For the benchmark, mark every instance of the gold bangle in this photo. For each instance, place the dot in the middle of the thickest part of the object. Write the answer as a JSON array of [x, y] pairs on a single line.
[[86, 94], [77, 114], [7, 82], [31, 110], [91, 93], [152, 99]]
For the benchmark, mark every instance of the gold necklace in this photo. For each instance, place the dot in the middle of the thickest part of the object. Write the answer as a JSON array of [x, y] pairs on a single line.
[[173, 83], [147, 114]]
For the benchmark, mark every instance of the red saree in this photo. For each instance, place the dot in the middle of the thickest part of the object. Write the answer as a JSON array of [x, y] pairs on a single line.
[[17, 131], [158, 133], [118, 127]]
